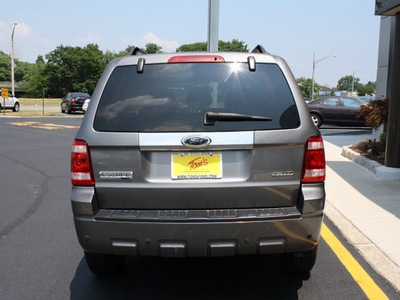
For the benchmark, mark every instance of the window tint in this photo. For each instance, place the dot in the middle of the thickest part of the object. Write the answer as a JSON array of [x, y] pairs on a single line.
[[175, 97], [331, 102], [351, 102]]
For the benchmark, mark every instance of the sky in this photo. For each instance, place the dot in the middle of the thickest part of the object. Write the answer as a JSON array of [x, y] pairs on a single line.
[[291, 29]]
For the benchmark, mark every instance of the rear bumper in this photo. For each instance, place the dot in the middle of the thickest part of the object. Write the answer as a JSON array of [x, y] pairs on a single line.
[[75, 107], [218, 233]]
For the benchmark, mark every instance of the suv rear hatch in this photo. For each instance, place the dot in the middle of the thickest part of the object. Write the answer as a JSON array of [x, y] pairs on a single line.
[[182, 136]]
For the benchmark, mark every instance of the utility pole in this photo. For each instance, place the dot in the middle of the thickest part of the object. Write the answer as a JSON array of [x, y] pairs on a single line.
[[314, 63], [313, 71], [352, 86], [12, 58], [213, 25]]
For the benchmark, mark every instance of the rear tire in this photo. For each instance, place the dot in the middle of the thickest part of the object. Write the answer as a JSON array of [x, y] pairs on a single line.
[[104, 264], [302, 262], [316, 120], [62, 110]]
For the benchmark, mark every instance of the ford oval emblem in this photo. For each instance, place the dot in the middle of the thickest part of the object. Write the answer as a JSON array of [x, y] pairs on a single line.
[[196, 141]]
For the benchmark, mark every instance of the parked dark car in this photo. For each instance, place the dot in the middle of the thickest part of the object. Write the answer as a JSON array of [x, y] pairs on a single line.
[[73, 102], [336, 110]]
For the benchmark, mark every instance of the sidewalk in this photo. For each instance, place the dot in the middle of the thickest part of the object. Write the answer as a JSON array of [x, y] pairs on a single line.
[[366, 210]]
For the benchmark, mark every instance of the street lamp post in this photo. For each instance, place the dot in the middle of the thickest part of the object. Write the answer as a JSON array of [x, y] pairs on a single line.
[[213, 25], [12, 58], [315, 62]]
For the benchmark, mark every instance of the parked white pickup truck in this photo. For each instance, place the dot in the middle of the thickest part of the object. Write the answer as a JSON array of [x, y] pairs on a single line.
[[10, 103]]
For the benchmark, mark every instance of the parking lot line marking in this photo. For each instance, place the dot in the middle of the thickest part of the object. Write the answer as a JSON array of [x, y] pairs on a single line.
[[48, 126], [367, 284]]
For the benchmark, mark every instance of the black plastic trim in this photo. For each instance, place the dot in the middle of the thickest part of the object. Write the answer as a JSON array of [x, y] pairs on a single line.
[[198, 215], [259, 49], [137, 51]]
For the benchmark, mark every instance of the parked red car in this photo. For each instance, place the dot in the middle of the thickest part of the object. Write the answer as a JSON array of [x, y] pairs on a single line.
[[336, 110]]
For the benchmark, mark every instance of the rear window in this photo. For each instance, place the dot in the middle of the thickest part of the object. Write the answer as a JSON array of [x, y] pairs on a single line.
[[73, 95], [175, 98]]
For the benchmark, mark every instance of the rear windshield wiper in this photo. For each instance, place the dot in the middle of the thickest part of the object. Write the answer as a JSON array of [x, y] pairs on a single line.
[[211, 117]]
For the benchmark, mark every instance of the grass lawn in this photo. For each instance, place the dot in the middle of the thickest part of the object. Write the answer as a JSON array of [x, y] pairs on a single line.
[[39, 102], [30, 113], [52, 108]]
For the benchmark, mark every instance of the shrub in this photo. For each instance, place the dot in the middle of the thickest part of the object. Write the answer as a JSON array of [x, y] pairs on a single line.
[[374, 147], [375, 112]]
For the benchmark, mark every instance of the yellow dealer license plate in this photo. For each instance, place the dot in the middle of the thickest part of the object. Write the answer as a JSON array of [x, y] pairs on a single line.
[[196, 165]]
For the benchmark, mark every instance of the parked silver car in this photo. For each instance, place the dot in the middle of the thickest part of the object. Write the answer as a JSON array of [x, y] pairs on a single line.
[[198, 154]]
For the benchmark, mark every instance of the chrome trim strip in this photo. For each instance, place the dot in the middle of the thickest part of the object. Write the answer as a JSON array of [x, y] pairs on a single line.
[[219, 140]]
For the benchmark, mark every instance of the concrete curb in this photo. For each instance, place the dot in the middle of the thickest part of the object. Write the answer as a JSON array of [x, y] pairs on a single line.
[[359, 159], [387, 173]]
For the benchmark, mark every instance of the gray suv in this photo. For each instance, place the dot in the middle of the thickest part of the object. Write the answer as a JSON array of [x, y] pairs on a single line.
[[198, 155]]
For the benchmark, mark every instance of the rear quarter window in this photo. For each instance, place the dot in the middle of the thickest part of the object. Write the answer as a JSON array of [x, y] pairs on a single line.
[[175, 98]]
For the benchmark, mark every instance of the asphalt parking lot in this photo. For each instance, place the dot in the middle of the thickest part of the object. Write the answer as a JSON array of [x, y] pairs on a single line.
[[40, 257]]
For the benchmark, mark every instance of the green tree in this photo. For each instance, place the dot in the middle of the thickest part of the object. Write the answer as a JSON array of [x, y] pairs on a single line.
[[126, 51], [361, 90], [366, 89], [305, 85], [40, 59], [22, 71], [152, 48], [345, 83], [233, 46], [109, 55], [36, 81], [196, 47], [5, 67], [370, 87], [91, 66], [70, 69]]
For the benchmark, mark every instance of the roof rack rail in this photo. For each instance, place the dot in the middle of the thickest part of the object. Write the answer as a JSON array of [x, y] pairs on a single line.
[[259, 49], [137, 51]]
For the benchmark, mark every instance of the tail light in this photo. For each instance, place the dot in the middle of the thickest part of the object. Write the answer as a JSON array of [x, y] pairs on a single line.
[[81, 167], [314, 161]]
